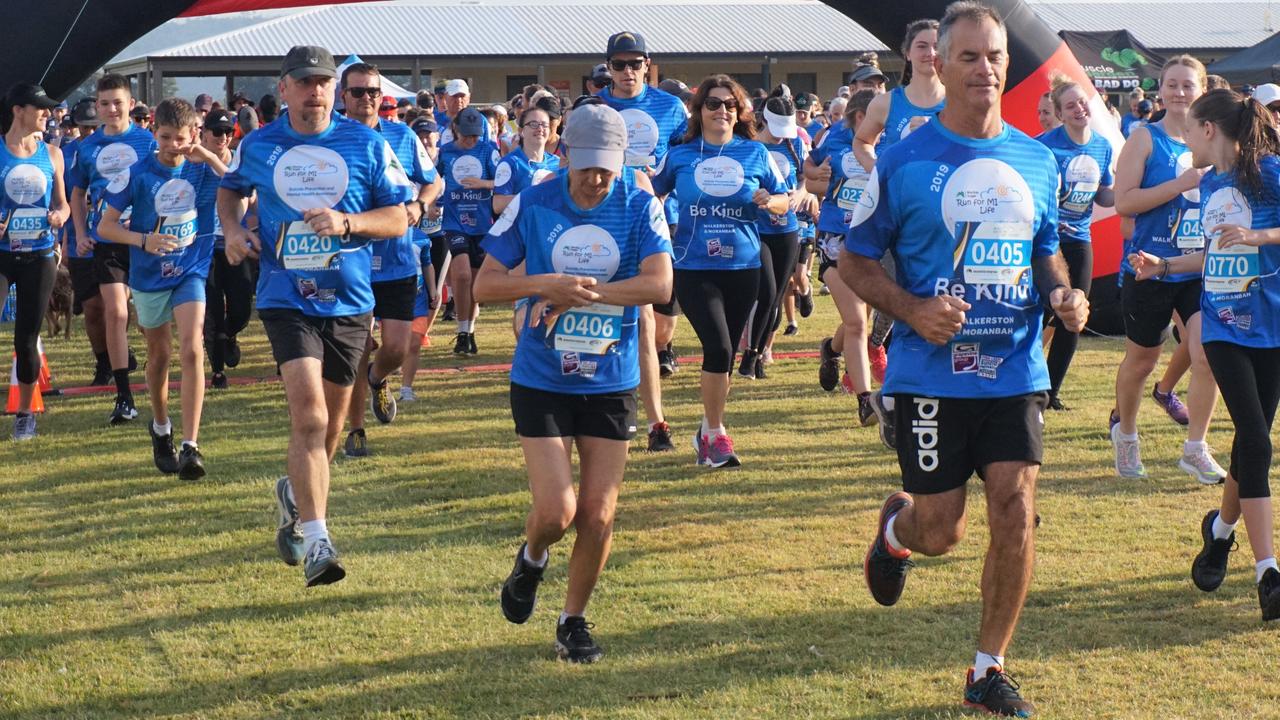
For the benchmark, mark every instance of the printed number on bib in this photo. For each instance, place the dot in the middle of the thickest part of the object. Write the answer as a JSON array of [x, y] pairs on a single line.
[[850, 192], [1189, 235], [592, 330], [300, 248], [1080, 197], [1232, 270], [181, 226], [431, 227], [26, 226], [995, 253]]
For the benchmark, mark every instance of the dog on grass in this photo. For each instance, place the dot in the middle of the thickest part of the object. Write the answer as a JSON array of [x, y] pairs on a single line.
[[58, 317]]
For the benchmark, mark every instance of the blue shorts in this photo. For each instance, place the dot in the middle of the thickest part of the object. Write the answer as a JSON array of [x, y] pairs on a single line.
[[155, 307]]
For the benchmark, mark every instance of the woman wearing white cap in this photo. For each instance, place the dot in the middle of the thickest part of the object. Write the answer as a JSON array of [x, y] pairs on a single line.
[[593, 248], [895, 114]]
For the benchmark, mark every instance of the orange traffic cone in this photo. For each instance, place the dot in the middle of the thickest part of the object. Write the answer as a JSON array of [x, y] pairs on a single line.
[[11, 408], [46, 375]]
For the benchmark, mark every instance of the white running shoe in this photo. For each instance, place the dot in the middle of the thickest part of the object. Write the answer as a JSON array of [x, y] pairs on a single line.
[[407, 395], [1128, 456], [1203, 468]]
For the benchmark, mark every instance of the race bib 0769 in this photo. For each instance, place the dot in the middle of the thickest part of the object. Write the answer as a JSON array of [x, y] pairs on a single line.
[[181, 226]]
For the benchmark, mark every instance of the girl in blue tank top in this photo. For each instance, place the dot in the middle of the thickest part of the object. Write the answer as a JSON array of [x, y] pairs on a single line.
[[894, 115]]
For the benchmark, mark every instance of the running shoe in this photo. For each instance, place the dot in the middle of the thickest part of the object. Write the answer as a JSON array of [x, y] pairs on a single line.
[[866, 413], [720, 453], [381, 401], [322, 566], [101, 376], [124, 410], [1128, 456], [1210, 567], [884, 569], [219, 381], [460, 345], [666, 363], [449, 314], [700, 447], [660, 438], [747, 368], [1172, 405], [846, 384], [1269, 595], [824, 290], [792, 329], [520, 589], [766, 357], [289, 541], [471, 344], [828, 366], [1055, 403], [407, 395], [190, 463], [879, 362], [885, 417], [760, 372], [804, 303], [162, 451], [24, 426], [1202, 467], [997, 694], [1113, 420], [231, 352], [574, 642], [357, 444]]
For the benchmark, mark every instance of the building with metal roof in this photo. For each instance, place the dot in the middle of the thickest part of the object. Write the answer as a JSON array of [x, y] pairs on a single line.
[[1210, 30]]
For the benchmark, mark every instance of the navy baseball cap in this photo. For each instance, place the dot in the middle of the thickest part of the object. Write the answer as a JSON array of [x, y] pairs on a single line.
[[469, 122], [424, 125], [626, 42]]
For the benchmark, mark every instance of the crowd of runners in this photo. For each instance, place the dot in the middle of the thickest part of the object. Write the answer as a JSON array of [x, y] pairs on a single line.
[[951, 243]]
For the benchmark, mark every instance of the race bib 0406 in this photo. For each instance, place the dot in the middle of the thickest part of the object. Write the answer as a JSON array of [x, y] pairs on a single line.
[[995, 252], [592, 330]]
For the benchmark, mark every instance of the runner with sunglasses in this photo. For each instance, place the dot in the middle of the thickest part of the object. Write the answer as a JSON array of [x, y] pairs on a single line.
[[229, 289]]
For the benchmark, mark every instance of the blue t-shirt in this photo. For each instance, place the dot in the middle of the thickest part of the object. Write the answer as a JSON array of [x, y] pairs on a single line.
[[770, 224], [1240, 303], [1082, 169], [1171, 229], [346, 167], [102, 162], [1128, 123], [965, 217], [68, 234], [594, 349], [848, 179], [469, 212], [656, 122], [24, 204], [716, 229], [897, 124], [208, 224], [166, 201], [397, 258], [516, 171]]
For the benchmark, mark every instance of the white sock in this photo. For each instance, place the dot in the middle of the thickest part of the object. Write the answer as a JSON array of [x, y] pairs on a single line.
[[890, 537], [705, 430], [1127, 438], [465, 325], [565, 616], [1262, 566], [164, 429], [314, 531], [887, 401], [1194, 447], [982, 662], [546, 555], [192, 443], [715, 432], [1222, 530]]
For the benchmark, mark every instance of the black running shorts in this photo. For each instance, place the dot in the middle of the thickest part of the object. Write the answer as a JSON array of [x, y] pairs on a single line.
[[539, 413], [111, 263], [394, 299], [1148, 306], [942, 442], [469, 245], [84, 283], [337, 342]]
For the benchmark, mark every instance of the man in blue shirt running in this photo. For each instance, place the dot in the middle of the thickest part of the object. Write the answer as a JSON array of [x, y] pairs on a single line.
[[968, 207]]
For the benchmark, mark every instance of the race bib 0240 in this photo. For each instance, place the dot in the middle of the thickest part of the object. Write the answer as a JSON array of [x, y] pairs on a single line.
[[995, 252]]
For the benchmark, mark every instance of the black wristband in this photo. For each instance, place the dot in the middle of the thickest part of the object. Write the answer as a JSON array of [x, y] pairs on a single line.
[[346, 224]]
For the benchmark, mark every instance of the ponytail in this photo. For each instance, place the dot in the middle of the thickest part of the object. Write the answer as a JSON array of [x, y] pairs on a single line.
[[1248, 124]]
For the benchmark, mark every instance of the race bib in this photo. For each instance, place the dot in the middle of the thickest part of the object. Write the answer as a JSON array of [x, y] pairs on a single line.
[[181, 226], [431, 227], [1187, 232], [26, 226], [592, 330], [850, 192], [1080, 197], [1232, 270], [301, 249], [995, 252]]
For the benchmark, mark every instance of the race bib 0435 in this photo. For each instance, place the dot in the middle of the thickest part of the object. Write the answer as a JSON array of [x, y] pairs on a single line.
[[26, 226]]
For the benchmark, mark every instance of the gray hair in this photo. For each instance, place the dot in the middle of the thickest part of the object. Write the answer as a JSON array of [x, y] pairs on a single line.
[[971, 11]]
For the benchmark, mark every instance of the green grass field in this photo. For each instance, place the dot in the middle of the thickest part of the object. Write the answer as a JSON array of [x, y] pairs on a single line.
[[730, 594]]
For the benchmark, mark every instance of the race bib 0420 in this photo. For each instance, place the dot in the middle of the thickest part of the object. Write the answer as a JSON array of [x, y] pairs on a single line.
[[995, 253], [592, 330], [301, 249]]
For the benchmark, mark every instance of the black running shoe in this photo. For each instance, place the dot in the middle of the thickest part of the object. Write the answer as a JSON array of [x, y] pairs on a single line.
[[1269, 595], [574, 642], [231, 350], [828, 366], [449, 314], [124, 410], [760, 373], [792, 329], [133, 361], [660, 438], [460, 345], [804, 303], [190, 463], [747, 368], [289, 540], [162, 451], [886, 573], [381, 400], [322, 566], [471, 344], [219, 381], [666, 363], [1210, 566], [1056, 404], [520, 589], [866, 413], [886, 417], [357, 445], [997, 694]]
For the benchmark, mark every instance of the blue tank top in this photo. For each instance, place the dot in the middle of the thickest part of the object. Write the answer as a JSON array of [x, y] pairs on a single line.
[[1172, 229], [768, 223], [897, 124], [28, 188]]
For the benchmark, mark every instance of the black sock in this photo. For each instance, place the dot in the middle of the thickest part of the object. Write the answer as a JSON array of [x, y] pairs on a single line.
[[122, 381], [104, 361]]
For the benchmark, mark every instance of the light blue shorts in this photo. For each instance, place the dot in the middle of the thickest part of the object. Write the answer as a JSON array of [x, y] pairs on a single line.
[[155, 308]]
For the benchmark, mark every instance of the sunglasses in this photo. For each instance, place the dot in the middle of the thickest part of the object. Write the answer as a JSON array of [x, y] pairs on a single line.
[[620, 65], [220, 132], [359, 92], [714, 103]]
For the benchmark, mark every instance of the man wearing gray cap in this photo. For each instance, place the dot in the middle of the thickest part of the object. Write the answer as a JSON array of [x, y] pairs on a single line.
[[326, 188], [595, 247]]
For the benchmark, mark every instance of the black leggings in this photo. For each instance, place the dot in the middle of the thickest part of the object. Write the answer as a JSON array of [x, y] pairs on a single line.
[[34, 274], [778, 254], [1249, 379], [1079, 257], [717, 304], [228, 304]]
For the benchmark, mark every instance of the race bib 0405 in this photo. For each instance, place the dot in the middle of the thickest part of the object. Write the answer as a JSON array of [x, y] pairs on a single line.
[[300, 248], [592, 330], [995, 253]]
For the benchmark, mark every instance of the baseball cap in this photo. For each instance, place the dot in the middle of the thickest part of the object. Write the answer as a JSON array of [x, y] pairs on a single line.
[[600, 74], [867, 72], [469, 122], [387, 103], [24, 94], [843, 91], [780, 116], [628, 42], [203, 102], [803, 101], [1145, 106], [85, 113], [596, 136], [1266, 93], [307, 60], [219, 120], [587, 100], [247, 118], [424, 125], [456, 87], [140, 111]]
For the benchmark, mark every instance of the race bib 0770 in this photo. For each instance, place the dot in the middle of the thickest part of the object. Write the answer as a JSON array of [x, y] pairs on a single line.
[[995, 252], [1230, 270]]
